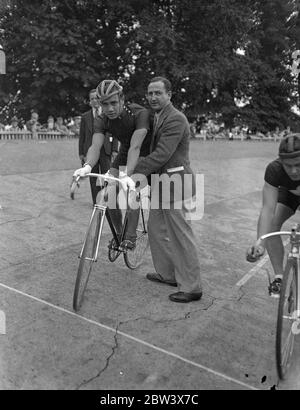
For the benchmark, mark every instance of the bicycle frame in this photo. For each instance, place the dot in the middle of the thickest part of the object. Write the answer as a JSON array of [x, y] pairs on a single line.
[[104, 209], [294, 254], [90, 249]]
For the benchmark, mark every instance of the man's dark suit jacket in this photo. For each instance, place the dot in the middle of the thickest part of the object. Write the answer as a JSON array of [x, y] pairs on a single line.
[[170, 153]]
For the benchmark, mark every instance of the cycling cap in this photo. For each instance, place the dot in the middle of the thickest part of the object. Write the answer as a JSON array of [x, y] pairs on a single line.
[[290, 146], [108, 88]]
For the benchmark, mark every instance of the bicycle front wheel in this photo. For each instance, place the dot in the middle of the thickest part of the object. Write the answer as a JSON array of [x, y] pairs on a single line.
[[285, 319], [88, 256], [133, 258]]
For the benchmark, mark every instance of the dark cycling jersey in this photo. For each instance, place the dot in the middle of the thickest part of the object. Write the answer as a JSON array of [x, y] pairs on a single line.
[[288, 190], [276, 176], [133, 117]]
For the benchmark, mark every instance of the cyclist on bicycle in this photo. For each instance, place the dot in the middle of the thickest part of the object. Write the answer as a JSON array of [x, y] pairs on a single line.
[[281, 198], [130, 124]]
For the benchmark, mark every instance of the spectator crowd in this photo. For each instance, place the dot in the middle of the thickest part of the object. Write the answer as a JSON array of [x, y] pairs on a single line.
[[68, 127], [211, 130]]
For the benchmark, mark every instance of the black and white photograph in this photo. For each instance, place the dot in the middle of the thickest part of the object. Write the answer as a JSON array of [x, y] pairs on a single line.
[[149, 198]]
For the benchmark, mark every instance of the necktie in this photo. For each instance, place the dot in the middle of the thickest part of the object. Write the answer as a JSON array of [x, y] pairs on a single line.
[[155, 121]]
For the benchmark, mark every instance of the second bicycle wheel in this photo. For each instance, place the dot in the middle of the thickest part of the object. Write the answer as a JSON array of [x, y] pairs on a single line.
[[87, 257], [285, 319], [133, 258]]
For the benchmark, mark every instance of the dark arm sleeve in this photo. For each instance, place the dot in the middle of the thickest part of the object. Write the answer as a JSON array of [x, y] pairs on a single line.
[[272, 174], [99, 126], [142, 119]]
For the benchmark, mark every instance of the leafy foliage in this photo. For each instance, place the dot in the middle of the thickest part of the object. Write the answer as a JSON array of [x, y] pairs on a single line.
[[215, 52]]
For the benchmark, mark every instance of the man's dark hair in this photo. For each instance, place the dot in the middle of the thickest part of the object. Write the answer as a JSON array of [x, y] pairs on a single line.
[[167, 83]]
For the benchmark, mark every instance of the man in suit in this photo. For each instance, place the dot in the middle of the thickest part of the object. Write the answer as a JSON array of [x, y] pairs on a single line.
[[109, 148], [171, 238]]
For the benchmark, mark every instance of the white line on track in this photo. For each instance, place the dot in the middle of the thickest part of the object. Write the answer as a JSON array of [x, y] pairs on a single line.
[[255, 269], [93, 322], [252, 272]]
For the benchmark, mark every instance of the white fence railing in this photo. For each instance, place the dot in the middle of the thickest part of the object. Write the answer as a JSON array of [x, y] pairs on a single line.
[[216, 137], [39, 135]]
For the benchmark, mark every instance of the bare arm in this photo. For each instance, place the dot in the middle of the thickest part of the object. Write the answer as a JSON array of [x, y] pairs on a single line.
[[93, 153], [270, 196], [134, 150]]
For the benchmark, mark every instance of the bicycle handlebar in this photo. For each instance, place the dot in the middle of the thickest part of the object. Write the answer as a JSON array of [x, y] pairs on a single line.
[[112, 178], [75, 182], [254, 256], [277, 233]]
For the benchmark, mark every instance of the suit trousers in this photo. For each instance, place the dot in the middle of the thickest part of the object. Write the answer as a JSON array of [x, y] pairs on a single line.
[[173, 248]]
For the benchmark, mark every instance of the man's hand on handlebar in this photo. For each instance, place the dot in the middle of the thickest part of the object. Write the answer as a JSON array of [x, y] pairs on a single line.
[[255, 252], [82, 172]]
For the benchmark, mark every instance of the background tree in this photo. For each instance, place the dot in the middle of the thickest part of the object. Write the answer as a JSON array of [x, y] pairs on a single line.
[[226, 58], [271, 91], [58, 50]]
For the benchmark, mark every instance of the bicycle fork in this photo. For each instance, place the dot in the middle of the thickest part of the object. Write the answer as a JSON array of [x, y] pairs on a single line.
[[96, 209]]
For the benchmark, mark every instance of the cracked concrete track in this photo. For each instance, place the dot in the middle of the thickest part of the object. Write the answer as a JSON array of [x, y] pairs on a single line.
[[128, 334]]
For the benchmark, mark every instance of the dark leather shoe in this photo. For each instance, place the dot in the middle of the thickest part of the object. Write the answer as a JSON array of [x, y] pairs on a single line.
[[183, 297], [155, 277]]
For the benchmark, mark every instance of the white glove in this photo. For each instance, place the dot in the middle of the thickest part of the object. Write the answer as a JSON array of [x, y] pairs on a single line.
[[127, 183], [82, 172]]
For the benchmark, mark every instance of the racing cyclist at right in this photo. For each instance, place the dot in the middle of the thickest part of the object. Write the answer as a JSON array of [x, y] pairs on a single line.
[[281, 198]]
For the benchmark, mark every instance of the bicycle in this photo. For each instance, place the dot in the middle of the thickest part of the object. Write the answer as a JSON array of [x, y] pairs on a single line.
[[89, 252], [288, 314]]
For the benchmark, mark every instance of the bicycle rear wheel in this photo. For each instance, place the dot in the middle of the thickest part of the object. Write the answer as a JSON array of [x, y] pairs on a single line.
[[134, 258], [285, 319], [88, 256]]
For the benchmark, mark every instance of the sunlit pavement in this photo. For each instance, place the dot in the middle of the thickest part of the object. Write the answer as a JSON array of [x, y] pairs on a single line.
[[128, 334]]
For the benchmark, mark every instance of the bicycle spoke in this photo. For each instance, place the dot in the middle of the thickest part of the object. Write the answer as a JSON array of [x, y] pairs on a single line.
[[88, 257], [286, 349], [133, 258], [285, 320]]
